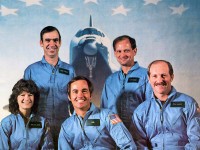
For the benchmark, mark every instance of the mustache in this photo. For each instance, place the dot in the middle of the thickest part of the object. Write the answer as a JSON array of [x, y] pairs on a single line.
[[161, 83]]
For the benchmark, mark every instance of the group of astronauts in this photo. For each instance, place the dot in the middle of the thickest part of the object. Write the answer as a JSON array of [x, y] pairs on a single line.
[[51, 107]]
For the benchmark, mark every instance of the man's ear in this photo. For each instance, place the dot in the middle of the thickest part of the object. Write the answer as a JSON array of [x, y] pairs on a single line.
[[135, 50], [172, 77], [41, 43], [69, 98]]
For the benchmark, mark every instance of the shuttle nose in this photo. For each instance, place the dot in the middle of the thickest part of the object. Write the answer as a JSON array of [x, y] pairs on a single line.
[[90, 48]]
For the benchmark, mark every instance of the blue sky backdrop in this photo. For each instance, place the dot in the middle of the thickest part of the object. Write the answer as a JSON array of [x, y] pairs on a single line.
[[163, 29]]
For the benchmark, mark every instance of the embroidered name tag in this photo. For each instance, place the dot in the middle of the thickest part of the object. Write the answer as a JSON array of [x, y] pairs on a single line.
[[64, 71], [35, 125], [93, 122], [177, 104], [133, 79]]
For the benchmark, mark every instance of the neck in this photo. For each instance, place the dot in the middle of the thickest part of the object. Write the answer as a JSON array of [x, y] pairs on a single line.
[[52, 60], [125, 69], [81, 113], [161, 97], [25, 113]]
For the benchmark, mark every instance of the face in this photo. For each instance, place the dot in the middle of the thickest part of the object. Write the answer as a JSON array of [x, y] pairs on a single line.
[[124, 53], [25, 101], [160, 79], [80, 95], [51, 44]]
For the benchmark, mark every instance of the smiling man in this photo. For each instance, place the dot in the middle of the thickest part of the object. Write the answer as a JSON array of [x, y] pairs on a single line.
[[169, 120], [90, 127], [125, 89], [51, 76]]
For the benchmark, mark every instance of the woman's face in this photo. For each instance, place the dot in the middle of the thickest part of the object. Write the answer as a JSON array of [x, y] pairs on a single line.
[[25, 101]]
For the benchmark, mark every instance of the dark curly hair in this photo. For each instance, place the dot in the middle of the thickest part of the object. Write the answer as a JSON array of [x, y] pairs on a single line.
[[21, 86]]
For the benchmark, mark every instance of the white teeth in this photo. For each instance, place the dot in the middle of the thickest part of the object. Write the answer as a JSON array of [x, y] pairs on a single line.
[[80, 100]]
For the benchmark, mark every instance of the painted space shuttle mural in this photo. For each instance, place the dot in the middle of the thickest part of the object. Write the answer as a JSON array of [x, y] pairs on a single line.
[[89, 55]]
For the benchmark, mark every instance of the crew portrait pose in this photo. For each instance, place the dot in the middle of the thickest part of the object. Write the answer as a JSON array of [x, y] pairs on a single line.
[[125, 89], [23, 129], [90, 127], [51, 76], [169, 119]]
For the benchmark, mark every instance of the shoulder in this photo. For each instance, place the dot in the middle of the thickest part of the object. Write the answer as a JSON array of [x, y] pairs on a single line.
[[142, 69], [139, 70], [67, 66], [186, 98], [33, 65], [104, 111], [8, 120], [105, 114], [64, 64], [112, 77], [68, 124], [143, 107]]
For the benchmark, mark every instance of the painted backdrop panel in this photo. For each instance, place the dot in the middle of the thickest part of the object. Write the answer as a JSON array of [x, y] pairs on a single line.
[[163, 29]]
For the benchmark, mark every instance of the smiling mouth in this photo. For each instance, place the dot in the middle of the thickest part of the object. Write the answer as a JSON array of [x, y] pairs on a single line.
[[27, 102], [160, 84], [81, 100]]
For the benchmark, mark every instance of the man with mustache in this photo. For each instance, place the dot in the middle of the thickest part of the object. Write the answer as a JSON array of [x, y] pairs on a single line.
[[89, 127], [51, 76], [170, 119]]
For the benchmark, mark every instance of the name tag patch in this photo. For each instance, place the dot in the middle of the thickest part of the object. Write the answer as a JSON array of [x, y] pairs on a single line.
[[35, 125], [133, 79], [64, 71], [93, 122], [177, 104]]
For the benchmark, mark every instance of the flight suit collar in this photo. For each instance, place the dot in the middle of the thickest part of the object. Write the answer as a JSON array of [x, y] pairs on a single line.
[[45, 62], [134, 67]]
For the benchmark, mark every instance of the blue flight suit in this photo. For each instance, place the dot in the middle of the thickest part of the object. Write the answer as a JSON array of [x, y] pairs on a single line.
[[94, 132], [123, 93], [15, 135], [175, 125], [52, 82]]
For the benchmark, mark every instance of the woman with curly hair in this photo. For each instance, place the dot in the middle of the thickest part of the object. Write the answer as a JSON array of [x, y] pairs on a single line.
[[23, 129]]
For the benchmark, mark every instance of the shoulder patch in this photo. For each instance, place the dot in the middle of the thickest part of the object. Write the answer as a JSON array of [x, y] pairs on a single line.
[[114, 119]]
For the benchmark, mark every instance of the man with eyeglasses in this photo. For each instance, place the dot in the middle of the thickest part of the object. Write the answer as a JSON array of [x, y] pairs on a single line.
[[125, 89], [51, 76]]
